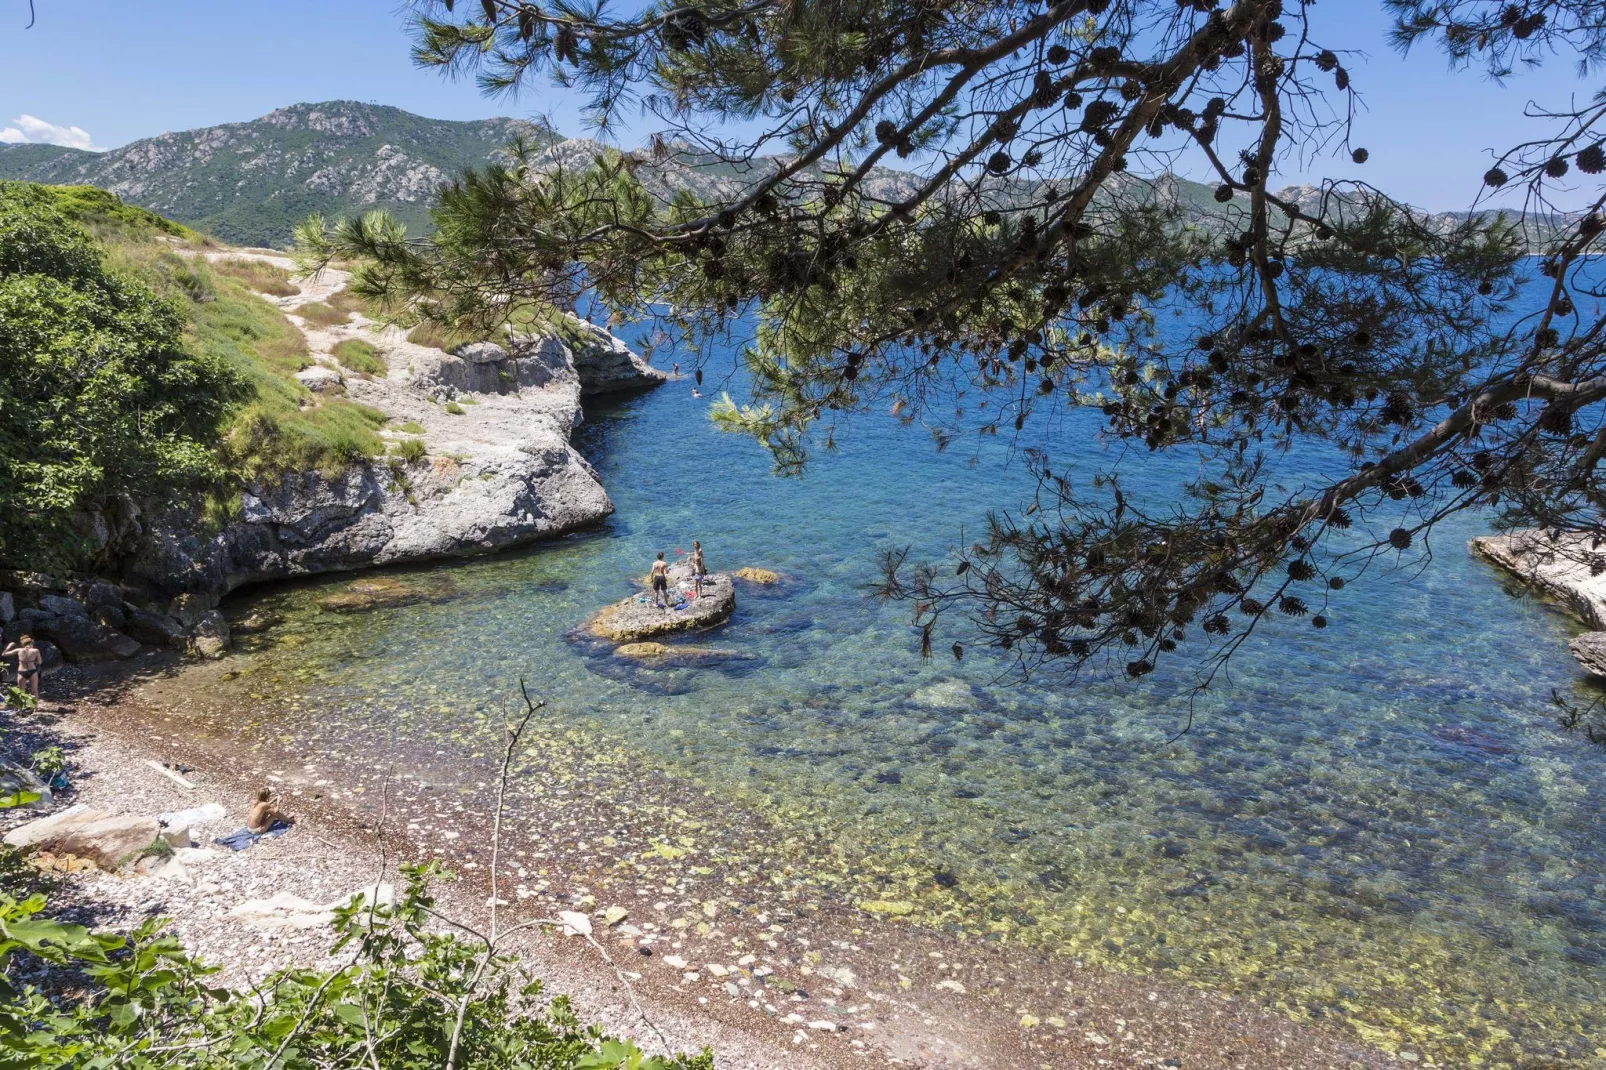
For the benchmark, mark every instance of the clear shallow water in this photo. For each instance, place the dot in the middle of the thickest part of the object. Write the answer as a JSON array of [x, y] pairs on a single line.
[[1377, 824]]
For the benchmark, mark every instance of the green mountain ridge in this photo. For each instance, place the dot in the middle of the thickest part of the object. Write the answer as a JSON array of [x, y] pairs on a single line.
[[250, 183]]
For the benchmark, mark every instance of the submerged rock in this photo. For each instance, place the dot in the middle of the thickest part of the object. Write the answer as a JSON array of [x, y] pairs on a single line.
[[210, 637], [757, 575], [372, 592], [650, 651], [637, 618], [947, 694]]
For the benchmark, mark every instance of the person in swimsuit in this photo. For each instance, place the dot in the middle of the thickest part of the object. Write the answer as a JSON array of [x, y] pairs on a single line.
[[699, 571], [29, 662], [265, 813], [660, 582]]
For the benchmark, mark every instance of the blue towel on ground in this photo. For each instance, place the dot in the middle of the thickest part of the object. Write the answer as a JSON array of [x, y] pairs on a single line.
[[243, 838]]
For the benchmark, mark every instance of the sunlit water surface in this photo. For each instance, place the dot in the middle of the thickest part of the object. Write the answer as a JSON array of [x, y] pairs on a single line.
[[1378, 823]]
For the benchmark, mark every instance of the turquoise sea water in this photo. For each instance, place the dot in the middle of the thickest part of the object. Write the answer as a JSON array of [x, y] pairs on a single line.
[[1377, 824]]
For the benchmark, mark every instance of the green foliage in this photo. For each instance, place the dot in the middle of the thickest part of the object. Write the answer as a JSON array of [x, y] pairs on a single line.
[[404, 998], [410, 450], [454, 408], [412, 427], [48, 761], [16, 696], [100, 396], [106, 216], [360, 356], [133, 367]]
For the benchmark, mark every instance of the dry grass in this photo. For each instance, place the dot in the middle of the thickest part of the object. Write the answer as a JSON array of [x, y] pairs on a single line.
[[360, 357], [262, 277], [436, 336], [319, 314]]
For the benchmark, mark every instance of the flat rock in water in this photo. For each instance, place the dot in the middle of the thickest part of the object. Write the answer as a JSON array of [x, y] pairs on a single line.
[[637, 618]]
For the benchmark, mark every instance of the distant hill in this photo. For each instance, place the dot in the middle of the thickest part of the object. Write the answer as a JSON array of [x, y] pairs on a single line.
[[251, 183]]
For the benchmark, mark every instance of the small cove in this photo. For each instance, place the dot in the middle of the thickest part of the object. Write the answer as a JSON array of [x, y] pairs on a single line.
[[1377, 825]]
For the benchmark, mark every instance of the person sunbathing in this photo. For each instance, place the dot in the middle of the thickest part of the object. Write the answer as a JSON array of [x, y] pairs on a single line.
[[265, 813]]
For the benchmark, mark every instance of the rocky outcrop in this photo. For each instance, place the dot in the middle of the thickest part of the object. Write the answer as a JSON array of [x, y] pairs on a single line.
[[637, 618], [1565, 569], [1562, 567], [496, 468], [1590, 650], [606, 365]]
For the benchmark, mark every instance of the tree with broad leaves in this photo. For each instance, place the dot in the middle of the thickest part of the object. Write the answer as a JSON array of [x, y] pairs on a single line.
[[1035, 256]]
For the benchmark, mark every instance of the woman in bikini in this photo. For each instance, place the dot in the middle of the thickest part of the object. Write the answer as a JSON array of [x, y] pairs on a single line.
[[660, 582], [29, 662], [699, 571]]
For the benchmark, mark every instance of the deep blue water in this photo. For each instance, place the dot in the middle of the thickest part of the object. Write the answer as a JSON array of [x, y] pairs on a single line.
[[1378, 823]]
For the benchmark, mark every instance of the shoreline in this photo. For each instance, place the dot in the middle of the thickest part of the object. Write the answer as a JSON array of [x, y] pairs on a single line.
[[766, 977]]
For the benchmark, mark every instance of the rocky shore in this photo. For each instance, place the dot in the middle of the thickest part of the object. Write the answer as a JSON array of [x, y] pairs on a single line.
[[1565, 569], [770, 981], [493, 466]]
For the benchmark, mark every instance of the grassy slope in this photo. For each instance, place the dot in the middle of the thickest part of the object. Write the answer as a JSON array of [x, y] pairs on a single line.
[[275, 425]]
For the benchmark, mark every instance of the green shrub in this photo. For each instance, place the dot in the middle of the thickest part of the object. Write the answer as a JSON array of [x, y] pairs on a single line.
[[100, 395], [410, 450], [407, 996], [361, 357], [454, 408], [412, 427]]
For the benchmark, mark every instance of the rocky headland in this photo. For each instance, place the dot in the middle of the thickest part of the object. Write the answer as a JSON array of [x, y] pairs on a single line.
[[479, 458]]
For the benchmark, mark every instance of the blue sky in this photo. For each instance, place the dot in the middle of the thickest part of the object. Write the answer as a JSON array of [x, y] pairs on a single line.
[[118, 71]]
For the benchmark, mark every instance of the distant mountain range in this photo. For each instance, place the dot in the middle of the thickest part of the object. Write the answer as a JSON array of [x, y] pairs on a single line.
[[251, 183]]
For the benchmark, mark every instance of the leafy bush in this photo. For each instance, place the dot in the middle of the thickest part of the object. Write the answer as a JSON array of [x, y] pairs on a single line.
[[410, 450], [412, 427], [100, 396], [407, 998], [360, 356], [454, 408]]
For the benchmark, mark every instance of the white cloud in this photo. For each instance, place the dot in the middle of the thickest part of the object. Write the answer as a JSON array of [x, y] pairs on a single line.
[[34, 131]]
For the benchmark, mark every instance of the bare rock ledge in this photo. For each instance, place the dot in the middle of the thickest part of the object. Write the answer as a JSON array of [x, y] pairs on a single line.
[[1560, 567]]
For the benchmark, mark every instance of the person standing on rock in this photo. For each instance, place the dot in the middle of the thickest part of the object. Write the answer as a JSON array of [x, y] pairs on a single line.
[[699, 571], [660, 582], [29, 662]]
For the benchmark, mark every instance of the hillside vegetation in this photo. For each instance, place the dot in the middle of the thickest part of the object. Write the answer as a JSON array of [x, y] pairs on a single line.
[[135, 369]]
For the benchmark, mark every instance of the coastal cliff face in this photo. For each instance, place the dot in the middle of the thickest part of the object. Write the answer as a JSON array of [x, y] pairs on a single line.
[[479, 458]]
